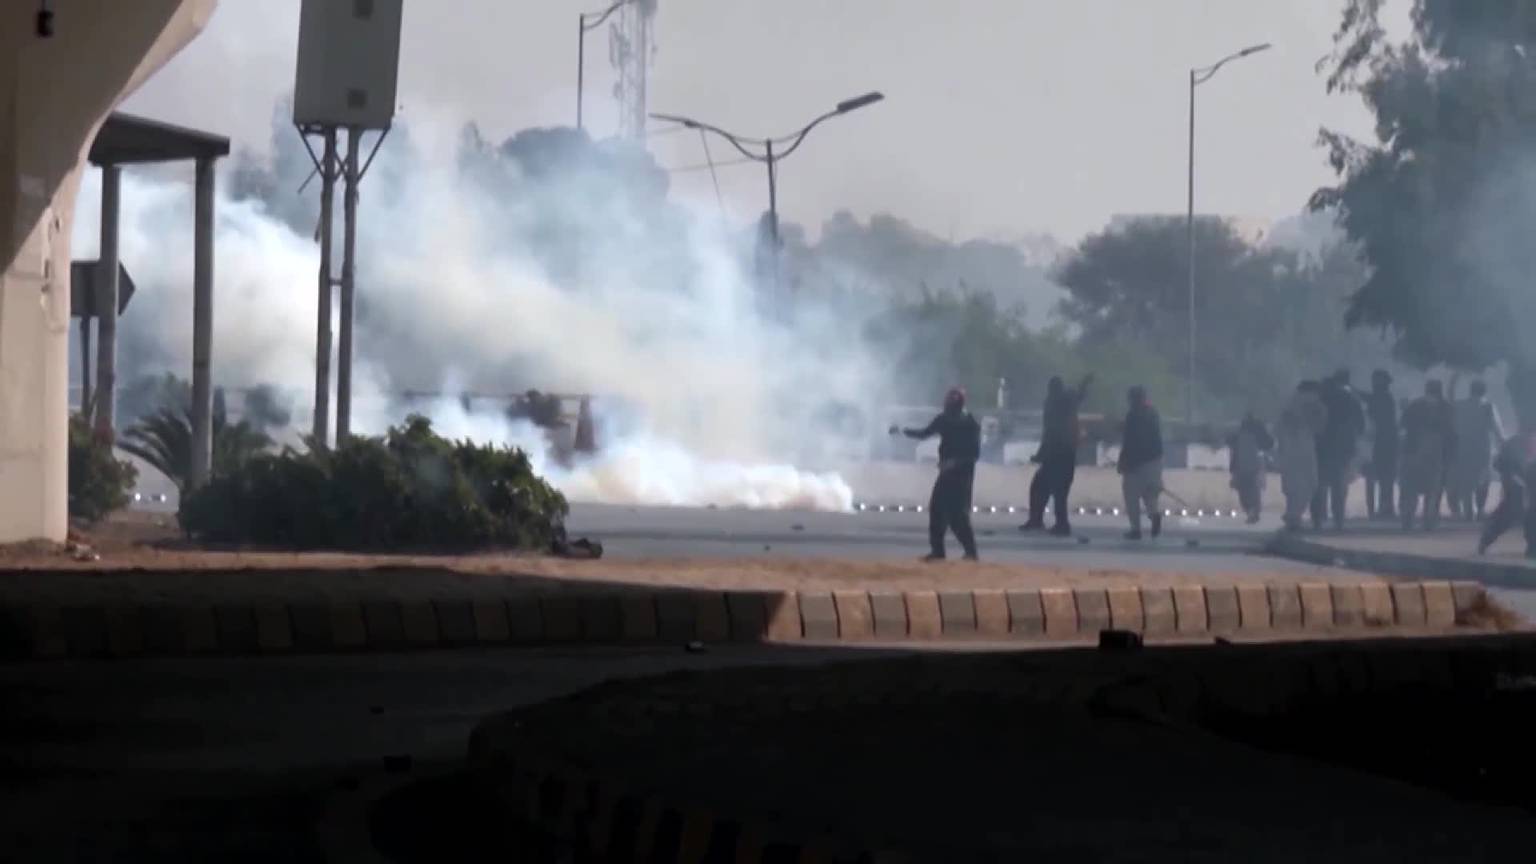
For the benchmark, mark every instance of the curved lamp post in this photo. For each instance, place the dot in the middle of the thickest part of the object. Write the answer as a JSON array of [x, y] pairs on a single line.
[[1196, 78], [770, 150]]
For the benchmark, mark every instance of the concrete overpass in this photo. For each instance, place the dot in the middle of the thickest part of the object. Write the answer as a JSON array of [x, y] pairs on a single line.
[[62, 72]]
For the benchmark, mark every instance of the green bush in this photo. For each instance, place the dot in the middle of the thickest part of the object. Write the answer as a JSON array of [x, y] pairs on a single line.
[[409, 489], [99, 482]]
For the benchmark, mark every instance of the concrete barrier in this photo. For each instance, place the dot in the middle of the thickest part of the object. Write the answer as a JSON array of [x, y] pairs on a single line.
[[675, 615]]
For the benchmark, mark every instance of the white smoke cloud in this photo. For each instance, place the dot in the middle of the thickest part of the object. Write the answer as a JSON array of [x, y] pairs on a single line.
[[725, 396], [641, 468], [264, 276]]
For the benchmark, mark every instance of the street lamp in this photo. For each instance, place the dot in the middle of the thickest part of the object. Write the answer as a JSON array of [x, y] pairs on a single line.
[[582, 28], [1196, 78], [771, 151]]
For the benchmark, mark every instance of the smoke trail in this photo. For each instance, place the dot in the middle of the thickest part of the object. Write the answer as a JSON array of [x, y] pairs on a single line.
[[477, 271], [639, 468]]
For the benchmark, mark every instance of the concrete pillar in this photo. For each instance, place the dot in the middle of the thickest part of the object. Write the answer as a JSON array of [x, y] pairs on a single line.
[[56, 91], [34, 377], [107, 289], [202, 327]]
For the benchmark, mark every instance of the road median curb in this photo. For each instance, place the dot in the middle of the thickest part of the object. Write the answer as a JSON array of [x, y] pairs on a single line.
[[678, 615], [1403, 565]]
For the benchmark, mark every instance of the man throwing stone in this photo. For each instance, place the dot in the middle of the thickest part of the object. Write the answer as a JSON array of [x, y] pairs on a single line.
[[949, 507], [1057, 457]]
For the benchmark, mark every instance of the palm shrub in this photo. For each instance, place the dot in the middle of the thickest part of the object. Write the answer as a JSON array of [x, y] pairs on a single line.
[[163, 439]]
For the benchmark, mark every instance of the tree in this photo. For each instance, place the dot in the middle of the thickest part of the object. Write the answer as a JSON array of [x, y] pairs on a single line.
[[961, 337], [1443, 204], [1266, 316], [890, 259], [164, 440], [965, 337]]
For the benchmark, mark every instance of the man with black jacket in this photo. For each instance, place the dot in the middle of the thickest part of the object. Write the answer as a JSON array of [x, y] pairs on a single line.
[[1141, 463], [1336, 450], [1057, 456], [1381, 474], [949, 507]]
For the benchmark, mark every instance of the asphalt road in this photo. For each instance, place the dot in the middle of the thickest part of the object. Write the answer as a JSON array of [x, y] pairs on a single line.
[[1221, 544], [263, 758]]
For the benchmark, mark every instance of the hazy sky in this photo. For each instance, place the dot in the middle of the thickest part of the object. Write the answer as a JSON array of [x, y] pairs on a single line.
[[1002, 117]]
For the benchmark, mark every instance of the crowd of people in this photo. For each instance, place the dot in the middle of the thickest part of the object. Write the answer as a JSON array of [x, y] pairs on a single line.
[[1437, 453], [1140, 465]]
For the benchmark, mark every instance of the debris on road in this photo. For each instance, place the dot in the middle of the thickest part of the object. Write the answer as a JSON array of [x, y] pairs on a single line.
[[581, 548]]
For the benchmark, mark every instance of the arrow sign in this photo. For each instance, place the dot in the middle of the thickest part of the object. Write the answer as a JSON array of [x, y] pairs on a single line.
[[83, 289]]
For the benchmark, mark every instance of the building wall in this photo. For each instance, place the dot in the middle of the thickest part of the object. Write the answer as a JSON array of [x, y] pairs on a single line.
[[54, 95]]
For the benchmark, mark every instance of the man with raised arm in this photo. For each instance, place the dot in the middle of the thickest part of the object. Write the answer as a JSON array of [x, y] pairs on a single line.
[[1060, 435]]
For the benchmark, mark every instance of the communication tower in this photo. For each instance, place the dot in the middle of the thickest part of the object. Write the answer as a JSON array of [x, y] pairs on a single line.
[[631, 49]]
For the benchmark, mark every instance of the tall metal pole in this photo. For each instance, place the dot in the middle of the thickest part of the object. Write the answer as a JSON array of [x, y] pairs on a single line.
[[202, 326], [348, 283], [85, 368], [106, 303], [322, 423], [1189, 383], [773, 216], [581, 63]]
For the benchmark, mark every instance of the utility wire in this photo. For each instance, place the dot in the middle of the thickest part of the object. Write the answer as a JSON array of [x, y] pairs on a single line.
[[713, 175], [710, 165]]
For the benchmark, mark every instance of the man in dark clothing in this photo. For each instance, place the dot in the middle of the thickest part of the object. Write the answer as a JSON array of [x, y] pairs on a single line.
[[949, 507], [1381, 473], [1057, 456], [1141, 463], [1479, 431], [1336, 449], [1513, 463], [1530, 507], [1249, 447], [1429, 443]]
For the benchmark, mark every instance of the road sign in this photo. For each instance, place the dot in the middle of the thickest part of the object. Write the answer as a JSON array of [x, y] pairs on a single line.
[[83, 288]]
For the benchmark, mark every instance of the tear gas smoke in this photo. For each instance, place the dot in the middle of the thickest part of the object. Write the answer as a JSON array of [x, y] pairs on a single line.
[[640, 468], [488, 273]]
